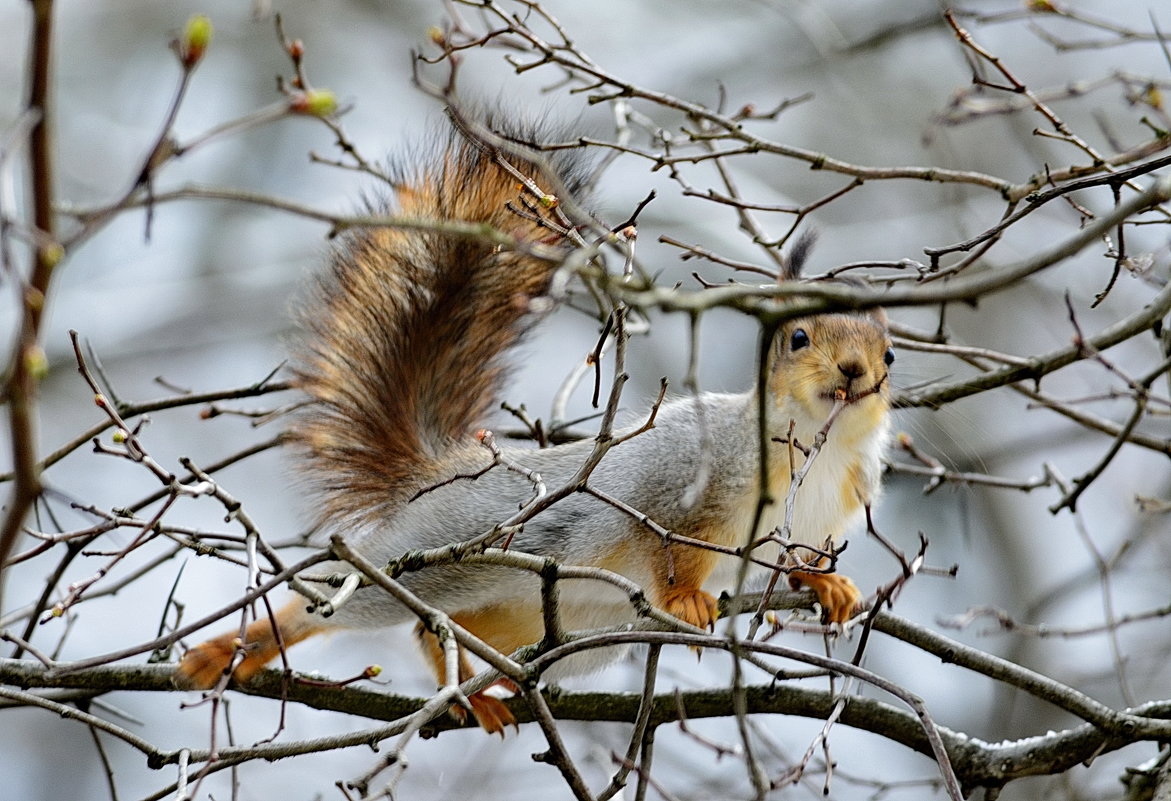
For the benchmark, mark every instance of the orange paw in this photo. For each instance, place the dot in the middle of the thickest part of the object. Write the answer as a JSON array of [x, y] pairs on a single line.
[[838, 596], [691, 605], [206, 663], [490, 712]]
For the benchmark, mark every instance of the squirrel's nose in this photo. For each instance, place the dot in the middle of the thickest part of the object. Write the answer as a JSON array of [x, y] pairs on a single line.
[[851, 368]]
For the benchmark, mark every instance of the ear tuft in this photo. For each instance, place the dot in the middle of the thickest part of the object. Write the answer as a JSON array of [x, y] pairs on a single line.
[[799, 254]]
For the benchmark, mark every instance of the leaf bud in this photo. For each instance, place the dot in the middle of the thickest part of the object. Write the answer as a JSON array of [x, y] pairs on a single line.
[[36, 364], [315, 103], [196, 38]]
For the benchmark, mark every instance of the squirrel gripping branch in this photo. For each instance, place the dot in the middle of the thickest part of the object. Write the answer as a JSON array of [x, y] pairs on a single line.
[[406, 341]]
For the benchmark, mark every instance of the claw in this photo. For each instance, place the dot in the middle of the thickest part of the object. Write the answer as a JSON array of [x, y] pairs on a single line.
[[839, 597], [206, 663], [692, 605], [490, 712]]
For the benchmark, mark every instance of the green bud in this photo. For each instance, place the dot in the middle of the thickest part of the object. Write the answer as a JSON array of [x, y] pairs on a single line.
[[35, 362], [52, 254], [315, 102], [196, 38]]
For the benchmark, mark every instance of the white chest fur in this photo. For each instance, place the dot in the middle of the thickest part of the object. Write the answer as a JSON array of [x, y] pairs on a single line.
[[835, 481]]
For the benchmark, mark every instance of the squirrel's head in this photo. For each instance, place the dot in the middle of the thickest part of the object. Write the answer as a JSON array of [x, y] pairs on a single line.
[[819, 360], [845, 356]]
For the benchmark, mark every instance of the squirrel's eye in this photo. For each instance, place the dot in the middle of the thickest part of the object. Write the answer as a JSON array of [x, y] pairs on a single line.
[[799, 339], [889, 358]]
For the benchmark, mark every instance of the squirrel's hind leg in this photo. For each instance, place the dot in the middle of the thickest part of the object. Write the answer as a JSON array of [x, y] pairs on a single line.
[[206, 663], [490, 712], [506, 626]]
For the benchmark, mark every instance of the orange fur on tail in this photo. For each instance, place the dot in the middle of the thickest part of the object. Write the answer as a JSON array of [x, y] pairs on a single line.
[[405, 345]]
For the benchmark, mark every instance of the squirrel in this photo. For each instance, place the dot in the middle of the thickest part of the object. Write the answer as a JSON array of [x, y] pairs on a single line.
[[406, 344]]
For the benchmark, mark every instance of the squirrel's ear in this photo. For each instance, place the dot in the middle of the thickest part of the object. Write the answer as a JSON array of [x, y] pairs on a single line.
[[798, 255], [879, 313]]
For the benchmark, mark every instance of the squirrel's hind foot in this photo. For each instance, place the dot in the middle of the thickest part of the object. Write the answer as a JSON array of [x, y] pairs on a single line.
[[205, 664], [490, 712]]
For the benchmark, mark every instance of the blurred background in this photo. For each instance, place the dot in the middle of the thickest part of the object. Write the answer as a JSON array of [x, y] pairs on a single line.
[[203, 304]]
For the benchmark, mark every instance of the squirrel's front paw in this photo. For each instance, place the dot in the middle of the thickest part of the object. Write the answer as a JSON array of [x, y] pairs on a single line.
[[691, 605], [839, 597]]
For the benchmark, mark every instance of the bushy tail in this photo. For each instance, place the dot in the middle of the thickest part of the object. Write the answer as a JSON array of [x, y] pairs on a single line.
[[406, 334]]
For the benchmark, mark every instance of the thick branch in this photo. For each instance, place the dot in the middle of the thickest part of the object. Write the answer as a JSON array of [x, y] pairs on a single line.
[[976, 763], [27, 357]]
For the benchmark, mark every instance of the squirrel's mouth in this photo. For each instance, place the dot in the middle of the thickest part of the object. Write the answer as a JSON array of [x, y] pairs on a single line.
[[843, 394]]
